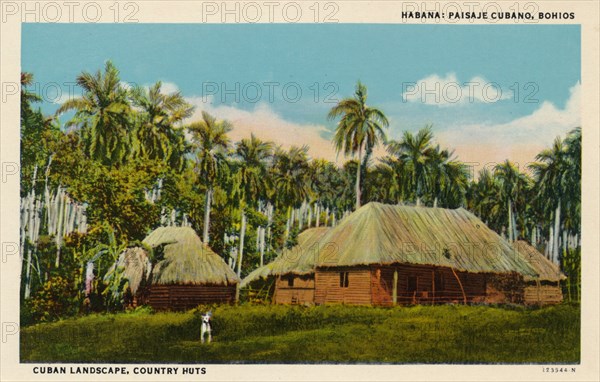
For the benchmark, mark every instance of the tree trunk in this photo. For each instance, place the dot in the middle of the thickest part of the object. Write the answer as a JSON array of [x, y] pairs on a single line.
[[288, 222], [435, 202], [556, 237], [240, 255], [550, 244], [514, 217], [262, 245], [357, 187], [565, 243], [510, 222], [28, 275], [207, 203]]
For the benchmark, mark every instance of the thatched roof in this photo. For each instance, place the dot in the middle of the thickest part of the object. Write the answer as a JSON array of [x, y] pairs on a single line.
[[546, 269], [135, 265], [386, 234], [186, 259], [298, 260]]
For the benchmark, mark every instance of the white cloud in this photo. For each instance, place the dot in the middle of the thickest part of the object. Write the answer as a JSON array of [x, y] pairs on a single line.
[[449, 91], [169, 87], [520, 139]]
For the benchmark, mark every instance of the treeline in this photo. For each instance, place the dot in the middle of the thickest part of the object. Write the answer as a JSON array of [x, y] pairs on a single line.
[[129, 160]]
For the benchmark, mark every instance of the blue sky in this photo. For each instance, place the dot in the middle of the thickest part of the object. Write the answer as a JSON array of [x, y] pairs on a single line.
[[542, 61]]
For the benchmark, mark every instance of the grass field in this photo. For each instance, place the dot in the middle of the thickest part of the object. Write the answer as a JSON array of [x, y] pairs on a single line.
[[322, 334]]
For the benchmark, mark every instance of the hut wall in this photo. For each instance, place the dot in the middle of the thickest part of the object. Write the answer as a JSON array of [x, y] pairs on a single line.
[[542, 294], [417, 285], [302, 291], [181, 297], [353, 287], [504, 288]]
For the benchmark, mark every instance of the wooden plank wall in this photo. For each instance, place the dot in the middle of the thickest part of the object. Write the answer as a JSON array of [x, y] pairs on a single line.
[[426, 292], [302, 292], [328, 290], [542, 294], [182, 297]]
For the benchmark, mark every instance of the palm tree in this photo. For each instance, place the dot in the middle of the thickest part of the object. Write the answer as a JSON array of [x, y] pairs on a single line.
[[290, 177], [558, 180], [211, 143], [27, 97], [448, 178], [102, 114], [360, 127], [415, 151], [252, 181], [512, 183], [482, 199], [159, 115]]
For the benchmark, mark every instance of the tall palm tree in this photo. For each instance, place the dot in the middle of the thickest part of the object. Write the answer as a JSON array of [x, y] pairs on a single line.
[[448, 178], [211, 144], [290, 178], [415, 151], [512, 183], [27, 97], [159, 115], [483, 199], [360, 128], [252, 181], [102, 114], [558, 176]]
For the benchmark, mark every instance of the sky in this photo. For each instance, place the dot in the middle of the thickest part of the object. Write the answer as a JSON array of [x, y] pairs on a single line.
[[490, 92]]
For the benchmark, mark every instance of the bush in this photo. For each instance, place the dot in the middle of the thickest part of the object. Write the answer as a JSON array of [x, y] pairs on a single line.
[[56, 299]]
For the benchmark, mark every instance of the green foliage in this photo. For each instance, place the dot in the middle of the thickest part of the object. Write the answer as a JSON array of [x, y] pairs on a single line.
[[55, 299], [321, 334]]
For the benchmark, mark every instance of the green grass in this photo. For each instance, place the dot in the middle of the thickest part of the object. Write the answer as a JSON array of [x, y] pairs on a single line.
[[322, 334]]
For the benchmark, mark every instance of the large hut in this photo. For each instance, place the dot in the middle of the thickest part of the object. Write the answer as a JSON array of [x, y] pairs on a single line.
[[183, 273], [390, 254], [545, 287], [293, 271]]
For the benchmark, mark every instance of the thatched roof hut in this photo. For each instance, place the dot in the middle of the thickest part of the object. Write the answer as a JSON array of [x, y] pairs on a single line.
[[298, 260], [135, 266], [386, 234], [186, 259], [186, 272], [545, 287], [546, 270]]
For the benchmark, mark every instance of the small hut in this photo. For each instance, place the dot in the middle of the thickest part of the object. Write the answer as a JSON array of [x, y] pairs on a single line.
[[390, 254], [545, 287], [293, 271], [185, 272]]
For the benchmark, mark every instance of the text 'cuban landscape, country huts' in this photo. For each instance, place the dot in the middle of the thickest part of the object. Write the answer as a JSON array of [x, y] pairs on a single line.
[[180, 272], [389, 254]]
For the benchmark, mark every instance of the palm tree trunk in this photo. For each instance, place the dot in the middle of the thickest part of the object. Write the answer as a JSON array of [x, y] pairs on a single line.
[[510, 222], [357, 187], [240, 255], [288, 222], [262, 245], [207, 204], [556, 233], [514, 217]]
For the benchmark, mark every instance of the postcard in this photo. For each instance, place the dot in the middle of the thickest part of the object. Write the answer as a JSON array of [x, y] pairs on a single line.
[[280, 190]]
